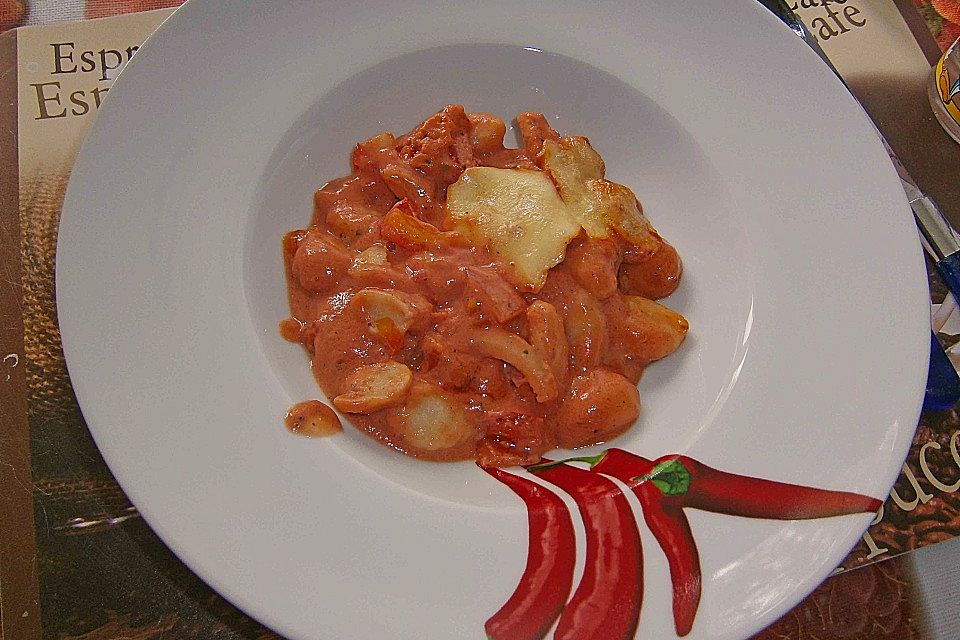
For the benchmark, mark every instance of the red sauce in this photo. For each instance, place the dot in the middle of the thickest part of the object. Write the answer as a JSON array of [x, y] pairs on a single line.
[[291, 329], [312, 419], [576, 348]]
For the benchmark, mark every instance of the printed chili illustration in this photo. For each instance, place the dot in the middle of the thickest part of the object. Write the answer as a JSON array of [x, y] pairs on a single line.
[[603, 604], [670, 527], [548, 577], [606, 603], [698, 486], [667, 522]]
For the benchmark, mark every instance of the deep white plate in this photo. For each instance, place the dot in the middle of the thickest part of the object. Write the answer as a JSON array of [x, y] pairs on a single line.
[[804, 287]]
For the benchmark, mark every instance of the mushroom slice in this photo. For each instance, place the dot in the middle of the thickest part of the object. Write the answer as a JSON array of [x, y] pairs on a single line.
[[515, 351], [372, 268], [373, 256], [373, 387], [547, 336], [391, 313], [586, 328]]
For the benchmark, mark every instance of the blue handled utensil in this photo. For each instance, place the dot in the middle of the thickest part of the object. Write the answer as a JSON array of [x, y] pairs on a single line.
[[940, 240], [943, 387], [941, 243]]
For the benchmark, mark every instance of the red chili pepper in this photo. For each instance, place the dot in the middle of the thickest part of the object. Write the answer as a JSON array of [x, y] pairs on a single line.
[[669, 526], [551, 553], [672, 482], [606, 603], [710, 489]]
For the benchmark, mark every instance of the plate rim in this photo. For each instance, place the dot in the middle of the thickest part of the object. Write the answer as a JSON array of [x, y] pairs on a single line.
[[70, 346]]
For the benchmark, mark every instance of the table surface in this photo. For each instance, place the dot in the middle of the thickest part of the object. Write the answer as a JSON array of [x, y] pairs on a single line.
[[121, 581]]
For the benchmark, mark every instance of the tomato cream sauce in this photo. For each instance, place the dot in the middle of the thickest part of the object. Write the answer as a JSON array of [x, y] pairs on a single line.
[[313, 419], [426, 340]]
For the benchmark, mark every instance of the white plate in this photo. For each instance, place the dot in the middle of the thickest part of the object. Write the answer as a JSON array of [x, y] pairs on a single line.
[[804, 287]]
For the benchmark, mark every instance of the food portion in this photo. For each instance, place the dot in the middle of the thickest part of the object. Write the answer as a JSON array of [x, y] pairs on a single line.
[[460, 299]]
